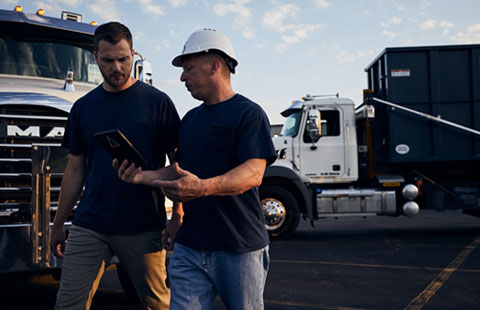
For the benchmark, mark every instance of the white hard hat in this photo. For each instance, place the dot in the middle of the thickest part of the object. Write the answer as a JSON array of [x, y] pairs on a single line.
[[205, 40]]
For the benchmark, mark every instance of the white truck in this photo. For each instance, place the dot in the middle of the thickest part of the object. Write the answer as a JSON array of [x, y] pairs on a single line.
[[46, 64], [413, 144]]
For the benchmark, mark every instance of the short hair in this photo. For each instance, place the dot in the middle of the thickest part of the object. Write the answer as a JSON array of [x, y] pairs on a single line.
[[222, 57], [112, 32]]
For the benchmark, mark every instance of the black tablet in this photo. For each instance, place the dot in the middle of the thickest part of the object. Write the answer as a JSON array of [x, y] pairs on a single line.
[[117, 145]]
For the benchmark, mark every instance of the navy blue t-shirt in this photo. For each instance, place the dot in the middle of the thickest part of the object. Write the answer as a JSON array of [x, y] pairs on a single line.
[[213, 140], [148, 118]]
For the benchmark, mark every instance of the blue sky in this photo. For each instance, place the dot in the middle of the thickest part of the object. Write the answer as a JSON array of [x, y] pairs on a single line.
[[285, 49]]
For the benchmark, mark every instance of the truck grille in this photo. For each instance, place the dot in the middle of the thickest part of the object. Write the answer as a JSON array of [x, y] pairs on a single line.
[[20, 127]]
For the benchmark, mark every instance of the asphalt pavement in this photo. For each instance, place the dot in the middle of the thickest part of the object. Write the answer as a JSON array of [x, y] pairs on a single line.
[[428, 262]]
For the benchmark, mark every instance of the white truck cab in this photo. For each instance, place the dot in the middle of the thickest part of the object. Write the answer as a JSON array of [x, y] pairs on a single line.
[[318, 140]]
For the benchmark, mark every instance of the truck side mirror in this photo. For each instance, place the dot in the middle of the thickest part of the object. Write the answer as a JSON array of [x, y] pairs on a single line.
[[313, 126], [143, 71]]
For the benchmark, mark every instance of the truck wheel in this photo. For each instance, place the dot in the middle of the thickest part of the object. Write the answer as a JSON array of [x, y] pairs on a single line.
[[127, 284], [280, 210]]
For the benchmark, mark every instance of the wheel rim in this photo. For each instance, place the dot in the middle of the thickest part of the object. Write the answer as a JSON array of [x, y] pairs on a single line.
[[274, 213]]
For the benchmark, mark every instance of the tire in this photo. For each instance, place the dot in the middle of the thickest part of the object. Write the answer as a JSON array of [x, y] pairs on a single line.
[[127, 284], [281, 211]]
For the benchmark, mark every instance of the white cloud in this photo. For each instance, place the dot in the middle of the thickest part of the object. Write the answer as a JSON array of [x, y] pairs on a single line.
[[11, 3], [274, 19], [446, 27], [393, 21], [52, 5], [74, 3], [161, 46], [345, 57], [149, 7], [248, 33], [139, 35], [329, 46], [428, 24], [177, 3], [237, 8], [49, 7], [431, 24], [474, 28], [175, 34], [389, 34], [446, 24], [99, 8], [261, 45], [292, 33], [401, 8], [242, 14], [425, 4], [299, 32], [322, 4], [470, 36]]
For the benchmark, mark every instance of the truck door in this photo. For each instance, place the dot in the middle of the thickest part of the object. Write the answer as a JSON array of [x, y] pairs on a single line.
[[322, 155]]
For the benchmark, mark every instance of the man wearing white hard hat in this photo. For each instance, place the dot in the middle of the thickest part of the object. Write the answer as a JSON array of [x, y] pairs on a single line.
[[224, 146]]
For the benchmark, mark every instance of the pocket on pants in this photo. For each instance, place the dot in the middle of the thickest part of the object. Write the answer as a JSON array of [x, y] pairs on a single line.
[[266, 258]]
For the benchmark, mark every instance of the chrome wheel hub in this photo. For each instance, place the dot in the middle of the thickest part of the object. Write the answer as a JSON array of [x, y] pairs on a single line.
[[274, 213]]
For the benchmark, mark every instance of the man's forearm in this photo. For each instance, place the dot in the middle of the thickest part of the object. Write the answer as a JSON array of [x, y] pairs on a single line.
[[236, 181], [69, 193], [177, 211], [62, 213], [72, 184]]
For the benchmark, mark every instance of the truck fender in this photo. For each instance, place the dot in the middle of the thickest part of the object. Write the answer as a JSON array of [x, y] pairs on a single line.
[[282, 176]]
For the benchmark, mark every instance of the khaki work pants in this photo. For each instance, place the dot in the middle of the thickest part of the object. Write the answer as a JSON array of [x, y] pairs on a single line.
[[86, 255]]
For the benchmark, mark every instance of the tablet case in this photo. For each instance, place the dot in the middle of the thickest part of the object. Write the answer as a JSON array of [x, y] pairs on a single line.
[[117, 145]]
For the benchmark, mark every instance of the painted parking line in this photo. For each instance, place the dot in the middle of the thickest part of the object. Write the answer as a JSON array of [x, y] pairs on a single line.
[[422, 299], [402, 245], [412, 245], [300, 306], [302, 262]]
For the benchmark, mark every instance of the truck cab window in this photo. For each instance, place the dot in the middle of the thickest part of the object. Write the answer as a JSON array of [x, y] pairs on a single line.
[[48, 59], [292, 124], [330, 125]]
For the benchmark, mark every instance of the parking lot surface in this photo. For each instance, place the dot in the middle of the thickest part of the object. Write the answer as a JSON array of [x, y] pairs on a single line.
[[428, 262]]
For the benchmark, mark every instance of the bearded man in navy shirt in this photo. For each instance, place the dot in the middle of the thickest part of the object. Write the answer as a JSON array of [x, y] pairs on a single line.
[[113, 217]]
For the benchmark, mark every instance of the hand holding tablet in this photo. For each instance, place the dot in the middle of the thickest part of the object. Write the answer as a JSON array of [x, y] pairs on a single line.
[[117, 145]]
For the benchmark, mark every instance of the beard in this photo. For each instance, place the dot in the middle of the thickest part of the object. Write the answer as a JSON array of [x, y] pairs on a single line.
[[115, 79]]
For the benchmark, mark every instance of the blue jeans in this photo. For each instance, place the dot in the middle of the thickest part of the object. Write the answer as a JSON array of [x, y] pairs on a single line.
[[197, 276]]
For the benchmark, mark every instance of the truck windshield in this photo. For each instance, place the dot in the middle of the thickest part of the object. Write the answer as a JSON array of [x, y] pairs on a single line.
[[49, 60], [291, 125]]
